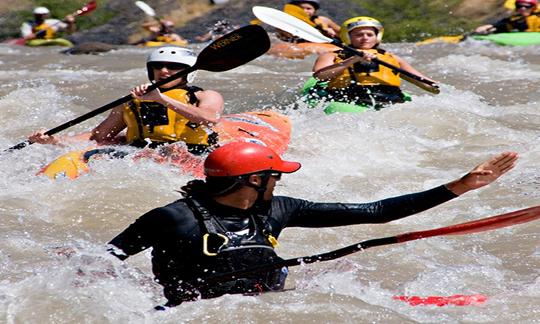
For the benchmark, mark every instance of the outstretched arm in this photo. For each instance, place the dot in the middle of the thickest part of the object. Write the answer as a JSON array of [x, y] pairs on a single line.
[[337, 214]]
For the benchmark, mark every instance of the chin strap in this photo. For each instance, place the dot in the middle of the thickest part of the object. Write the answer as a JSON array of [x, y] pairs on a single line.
[[265, 177]]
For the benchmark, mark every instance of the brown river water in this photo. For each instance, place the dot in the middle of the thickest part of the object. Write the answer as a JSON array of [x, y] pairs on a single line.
[[488, 104]]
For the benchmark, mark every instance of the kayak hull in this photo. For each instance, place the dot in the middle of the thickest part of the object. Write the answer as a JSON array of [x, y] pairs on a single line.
[[512, 39], [300, 50], [332, 107], [268, 128], [158, 44], [49, 42]]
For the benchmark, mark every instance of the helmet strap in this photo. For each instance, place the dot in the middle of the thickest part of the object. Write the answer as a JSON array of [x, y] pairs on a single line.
[[261, 189]]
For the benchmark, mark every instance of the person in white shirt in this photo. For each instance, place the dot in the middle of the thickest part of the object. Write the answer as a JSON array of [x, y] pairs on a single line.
[[43, 27]]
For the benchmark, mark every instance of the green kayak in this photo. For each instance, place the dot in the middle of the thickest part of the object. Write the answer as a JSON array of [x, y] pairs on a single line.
[[332, 107], [49, 42], [513, 39]]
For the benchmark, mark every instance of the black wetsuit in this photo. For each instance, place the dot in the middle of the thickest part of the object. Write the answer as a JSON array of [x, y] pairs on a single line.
[[175, 234], [512, 24]]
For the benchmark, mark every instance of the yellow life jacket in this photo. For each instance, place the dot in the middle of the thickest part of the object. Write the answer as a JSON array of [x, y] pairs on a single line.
[[48, 32], [524, 24], [164, 38], [147, 119], [368, 74], [533, 22]]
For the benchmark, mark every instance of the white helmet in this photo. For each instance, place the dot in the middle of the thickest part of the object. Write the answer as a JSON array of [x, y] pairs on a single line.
[[41, 11], [171, 54]]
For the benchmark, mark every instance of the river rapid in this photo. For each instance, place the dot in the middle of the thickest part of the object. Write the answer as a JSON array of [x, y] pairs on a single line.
[[54, 267]]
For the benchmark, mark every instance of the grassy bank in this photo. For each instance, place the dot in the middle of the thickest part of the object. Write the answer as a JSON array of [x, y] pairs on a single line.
[[406, 20]]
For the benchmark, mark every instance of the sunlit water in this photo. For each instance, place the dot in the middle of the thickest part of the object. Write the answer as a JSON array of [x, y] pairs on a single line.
[[54, 267]]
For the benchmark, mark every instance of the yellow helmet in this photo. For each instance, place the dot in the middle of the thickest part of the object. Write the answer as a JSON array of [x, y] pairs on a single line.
[[357, 22]]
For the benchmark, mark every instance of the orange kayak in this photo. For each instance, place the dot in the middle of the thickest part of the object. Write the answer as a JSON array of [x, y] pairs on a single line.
[[267, 128]]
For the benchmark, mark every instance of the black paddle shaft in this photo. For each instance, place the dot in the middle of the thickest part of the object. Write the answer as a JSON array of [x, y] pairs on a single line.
[[353, 51], [332, 255], [225, 53]]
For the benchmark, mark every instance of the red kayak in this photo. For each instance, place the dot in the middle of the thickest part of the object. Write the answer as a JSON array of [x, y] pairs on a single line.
[[267, 128]]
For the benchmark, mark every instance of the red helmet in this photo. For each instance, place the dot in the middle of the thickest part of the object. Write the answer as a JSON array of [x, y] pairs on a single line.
[[533, 3], [240, 158]]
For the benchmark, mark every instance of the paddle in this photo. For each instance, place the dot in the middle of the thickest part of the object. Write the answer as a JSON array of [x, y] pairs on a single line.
[[453, 39], [303, 30], [443, 39], [477, 226], [146, 8], [225, 53], [87, 8], [299, 13]]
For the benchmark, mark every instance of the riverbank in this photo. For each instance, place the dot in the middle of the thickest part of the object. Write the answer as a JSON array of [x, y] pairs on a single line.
[[119, 21]]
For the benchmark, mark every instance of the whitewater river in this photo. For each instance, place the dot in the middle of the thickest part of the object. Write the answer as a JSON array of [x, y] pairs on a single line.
[[54, 267]]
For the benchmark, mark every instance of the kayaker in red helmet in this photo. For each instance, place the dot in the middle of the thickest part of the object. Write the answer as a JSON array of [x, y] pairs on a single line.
[[526, 18], [231, 221]]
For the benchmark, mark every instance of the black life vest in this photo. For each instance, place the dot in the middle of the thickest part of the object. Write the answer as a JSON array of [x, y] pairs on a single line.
[[224, 252]]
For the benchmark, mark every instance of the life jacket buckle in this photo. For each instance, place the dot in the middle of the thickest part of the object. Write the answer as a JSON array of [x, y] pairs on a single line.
[[273, 240], [205, 243]]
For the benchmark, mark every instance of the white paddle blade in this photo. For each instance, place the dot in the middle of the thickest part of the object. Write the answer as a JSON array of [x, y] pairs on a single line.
[[290, 24], [146, 8]]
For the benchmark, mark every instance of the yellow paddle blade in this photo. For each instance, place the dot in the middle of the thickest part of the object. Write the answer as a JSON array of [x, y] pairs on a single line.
[[442, 39], [70, 165], [299, 13], [255, 22]]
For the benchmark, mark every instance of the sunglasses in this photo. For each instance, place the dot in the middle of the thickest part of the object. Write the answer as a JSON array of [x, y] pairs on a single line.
[[276, 175], [523, 5], [168, 65]]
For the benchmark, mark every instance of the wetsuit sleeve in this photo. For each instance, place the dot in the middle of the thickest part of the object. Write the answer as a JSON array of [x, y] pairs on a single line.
[[501, 26], [139, 235], [310, 214]]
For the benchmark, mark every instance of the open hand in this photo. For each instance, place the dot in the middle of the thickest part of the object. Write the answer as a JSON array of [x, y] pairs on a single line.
[[485, 173]]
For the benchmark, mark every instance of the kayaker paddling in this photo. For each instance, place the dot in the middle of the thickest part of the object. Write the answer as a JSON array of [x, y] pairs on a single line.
[[43, 27], [526, 18], [174, 112], [161, 31], [232, 220], [323, 23], [354, 79]]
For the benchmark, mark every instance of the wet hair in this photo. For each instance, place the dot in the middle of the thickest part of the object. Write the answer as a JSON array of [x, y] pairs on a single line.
[[213, 186]]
